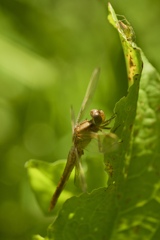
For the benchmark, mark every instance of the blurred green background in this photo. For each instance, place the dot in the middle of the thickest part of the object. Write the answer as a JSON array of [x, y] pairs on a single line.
[[48, 50]]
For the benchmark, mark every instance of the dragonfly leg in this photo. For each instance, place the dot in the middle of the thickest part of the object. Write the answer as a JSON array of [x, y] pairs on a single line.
[[116, 128], [107, 122]]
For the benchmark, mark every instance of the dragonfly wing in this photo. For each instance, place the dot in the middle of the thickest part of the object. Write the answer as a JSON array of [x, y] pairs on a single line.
[[109, 143], [79, 178], [89, 93], [106, 142], [72, 119]]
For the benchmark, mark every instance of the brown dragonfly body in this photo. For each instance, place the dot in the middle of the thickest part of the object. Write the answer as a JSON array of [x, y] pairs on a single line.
[[83, 133]]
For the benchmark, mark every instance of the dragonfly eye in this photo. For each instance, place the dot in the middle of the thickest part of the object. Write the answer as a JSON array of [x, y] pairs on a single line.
[[98, 116]]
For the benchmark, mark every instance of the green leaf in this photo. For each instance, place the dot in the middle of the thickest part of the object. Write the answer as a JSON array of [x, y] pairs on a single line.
[[38, 237], [131, 51], [129, 208], [43, 179]]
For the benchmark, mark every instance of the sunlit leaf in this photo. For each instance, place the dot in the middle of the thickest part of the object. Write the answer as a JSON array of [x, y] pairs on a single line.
[[43, 179]]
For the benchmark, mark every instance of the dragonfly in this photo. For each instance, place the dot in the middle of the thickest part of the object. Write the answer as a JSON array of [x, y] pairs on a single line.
[[82, 134]]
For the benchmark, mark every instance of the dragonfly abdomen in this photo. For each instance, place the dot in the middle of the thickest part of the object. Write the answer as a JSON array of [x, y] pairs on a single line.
[[71, 160]]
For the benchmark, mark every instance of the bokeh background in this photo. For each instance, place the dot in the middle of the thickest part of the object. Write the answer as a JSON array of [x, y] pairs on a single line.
[[48, 50]]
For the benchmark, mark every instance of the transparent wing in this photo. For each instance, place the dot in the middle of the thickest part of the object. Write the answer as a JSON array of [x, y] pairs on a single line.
[[72, 119], [103, 142], [108, 142], [79, 178], [89, 93]]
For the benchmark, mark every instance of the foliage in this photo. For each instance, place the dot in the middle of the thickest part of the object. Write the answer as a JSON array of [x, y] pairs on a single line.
[[116, 212], [48, 51]]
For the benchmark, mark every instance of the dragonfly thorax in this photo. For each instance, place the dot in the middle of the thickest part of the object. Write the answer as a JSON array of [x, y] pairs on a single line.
[[84, 131], [98, 116], [81, 135]]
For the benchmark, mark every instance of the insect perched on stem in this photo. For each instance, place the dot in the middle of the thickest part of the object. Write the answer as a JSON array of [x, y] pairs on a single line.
[[125, 27], [82, 133]]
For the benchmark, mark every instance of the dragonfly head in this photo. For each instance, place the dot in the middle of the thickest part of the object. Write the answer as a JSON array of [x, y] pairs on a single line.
[[98, 116]]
